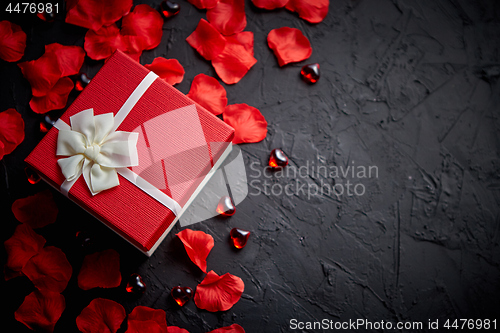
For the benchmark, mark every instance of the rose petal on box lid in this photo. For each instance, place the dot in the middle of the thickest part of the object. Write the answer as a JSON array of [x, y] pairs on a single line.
[[234, 328], [37, 210], [42, 74], [102, 43], [69, 58], [145, 319], [12, 41], [204, 4], [245, 39], [49, 269], [289, 45], [41, 310], [143, 27], [233, 63], [11, 131], [207, 40], [218, 293], [55, 99], [228, 16], [21, 246], [93, 14], [101, 315], [311, 11], [270, 4], [100, 269], [209, 93], [168, 69], [248, 123], [198, 245], [175, 329]]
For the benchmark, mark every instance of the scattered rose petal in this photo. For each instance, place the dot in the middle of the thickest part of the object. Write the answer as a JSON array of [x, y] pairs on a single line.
[[24, 244], [69, 58], [93, 14], [37, 210], [41, 310], [233, 63], [12, 41], [209, 93], [198, 245], [55, 99], [289, 45], [203, 4], [245, 39], [10, 274], [11, 131], [101, 316], [49, 269], [142, 28], [228, 16], [42, 74], [100, 269], [234, 328], [248, 123], [270, 4], [311, 11], [168, 69], [144, 319], [218, 293], [207, 40], [102, 43], [175, 329]]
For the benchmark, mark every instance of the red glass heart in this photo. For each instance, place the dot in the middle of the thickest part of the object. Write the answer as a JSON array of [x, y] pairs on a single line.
[[83, 239], [170, 8], [226, 206], [81, 82], [46, 124], [32, 176], [239, 237], [278, 159], [310, 73], [135, 285], [181, 294]]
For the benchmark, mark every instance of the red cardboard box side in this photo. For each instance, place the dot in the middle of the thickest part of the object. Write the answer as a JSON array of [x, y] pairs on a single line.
[[126, 209]]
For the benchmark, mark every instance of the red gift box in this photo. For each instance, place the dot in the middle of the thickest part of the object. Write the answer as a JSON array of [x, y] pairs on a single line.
[[180, 145]]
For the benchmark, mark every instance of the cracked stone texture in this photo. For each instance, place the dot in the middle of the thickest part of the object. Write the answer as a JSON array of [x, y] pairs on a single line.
[[409, 87]]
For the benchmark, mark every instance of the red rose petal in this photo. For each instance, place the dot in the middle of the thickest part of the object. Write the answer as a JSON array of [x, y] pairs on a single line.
[[49, 269], [218, 293], [311, 11], [168, 69], [101, 316], [207, 40], [24, 244], [289, 45], [55, 99], [233, 63], [11, 131], [228, 16], [270, 4], [204, 4], [69, 58], [142, 28], [102, 43], [245, 39], [41, 310], [209, 93], [93, 14], [42, 74], [198, 245], [248, 123], [175, 329], [144, 319], [12, 41], [37, 210], [234, 328], [100, 269]]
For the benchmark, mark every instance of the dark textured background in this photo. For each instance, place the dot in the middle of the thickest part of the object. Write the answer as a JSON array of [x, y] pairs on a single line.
[[408, 86]]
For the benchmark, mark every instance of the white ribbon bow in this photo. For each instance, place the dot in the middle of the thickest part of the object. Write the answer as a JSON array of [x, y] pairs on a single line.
[[95, 150]]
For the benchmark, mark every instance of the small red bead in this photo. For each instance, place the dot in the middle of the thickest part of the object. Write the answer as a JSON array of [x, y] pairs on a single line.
[[310, 73], [239, 237], [278, 159], [181, 294], [226, 206], [32, 176], [81, 82], [170, 8], [135, 285]]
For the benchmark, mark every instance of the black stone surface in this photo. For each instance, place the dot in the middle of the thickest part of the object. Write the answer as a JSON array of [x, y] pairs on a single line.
[[410, 87]]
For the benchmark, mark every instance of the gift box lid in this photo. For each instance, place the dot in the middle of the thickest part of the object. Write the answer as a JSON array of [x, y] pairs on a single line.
[[179, 146]]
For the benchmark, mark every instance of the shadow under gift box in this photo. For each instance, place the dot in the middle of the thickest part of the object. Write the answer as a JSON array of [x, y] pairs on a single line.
[[180, 146]]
